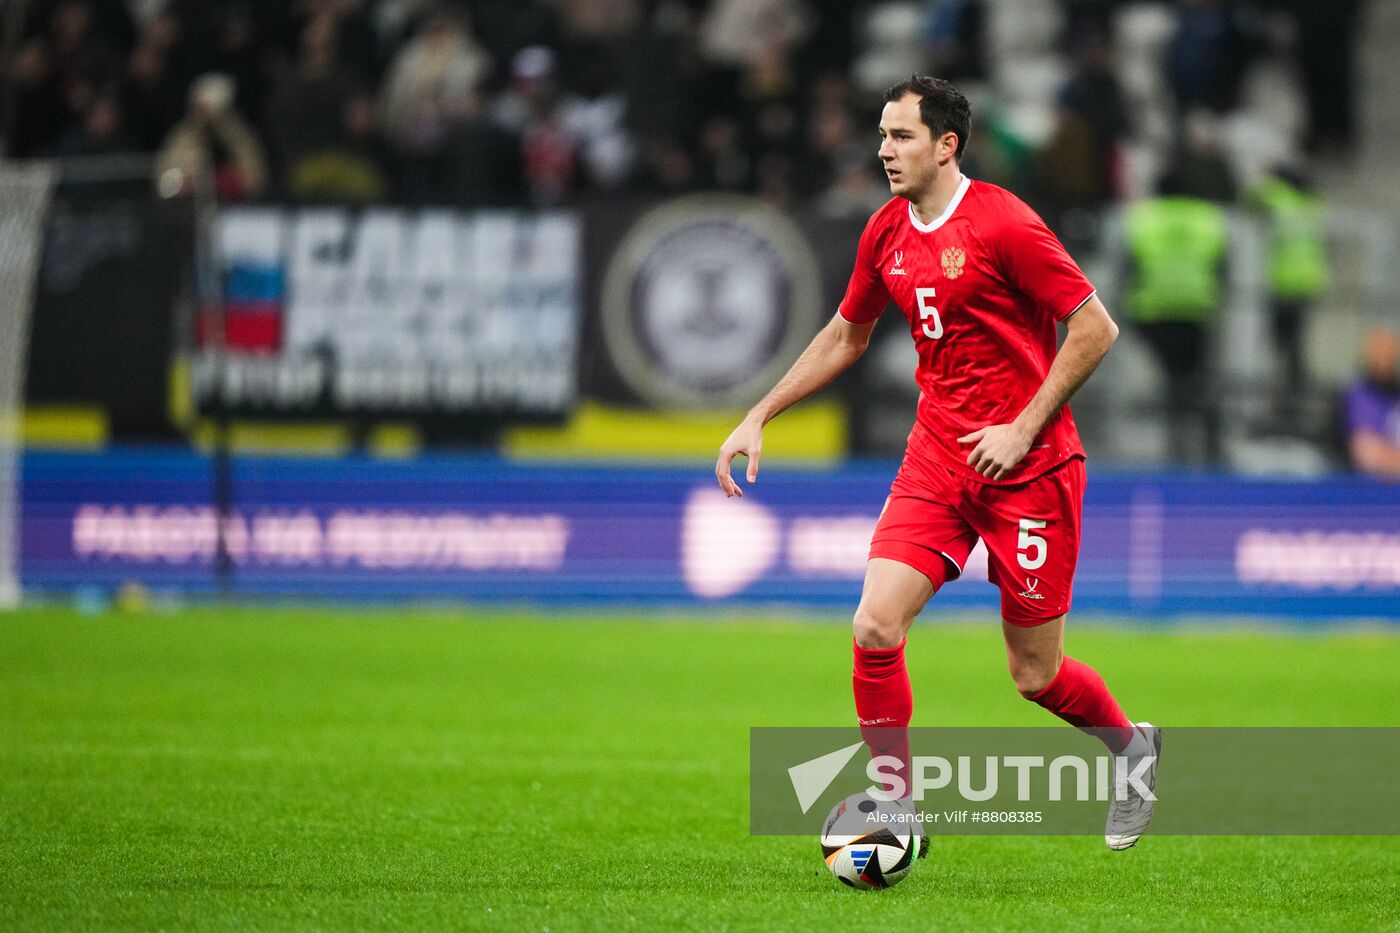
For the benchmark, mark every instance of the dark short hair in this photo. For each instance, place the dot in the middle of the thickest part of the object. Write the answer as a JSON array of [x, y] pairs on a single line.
[[942, 108]]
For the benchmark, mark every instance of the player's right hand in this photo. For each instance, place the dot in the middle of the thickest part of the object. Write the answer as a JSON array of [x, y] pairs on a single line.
[[746, 440]]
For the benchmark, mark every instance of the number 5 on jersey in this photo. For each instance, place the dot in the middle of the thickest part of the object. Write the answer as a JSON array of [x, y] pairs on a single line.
[[927, 310]]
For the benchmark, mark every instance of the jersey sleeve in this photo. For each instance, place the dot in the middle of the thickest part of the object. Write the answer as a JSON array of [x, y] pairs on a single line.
[[1036, 264], [866, 296]]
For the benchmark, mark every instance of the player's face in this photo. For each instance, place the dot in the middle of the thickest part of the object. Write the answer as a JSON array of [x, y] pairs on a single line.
[[910, 154]]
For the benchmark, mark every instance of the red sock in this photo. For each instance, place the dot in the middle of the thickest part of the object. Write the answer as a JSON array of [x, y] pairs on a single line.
[[1079, 696], [884, 703]]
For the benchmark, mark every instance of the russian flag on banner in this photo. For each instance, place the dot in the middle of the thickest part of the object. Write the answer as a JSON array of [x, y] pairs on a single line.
[[254, 283]]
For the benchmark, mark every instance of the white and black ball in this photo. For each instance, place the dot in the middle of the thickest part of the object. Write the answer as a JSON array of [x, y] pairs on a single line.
[[870, 843]]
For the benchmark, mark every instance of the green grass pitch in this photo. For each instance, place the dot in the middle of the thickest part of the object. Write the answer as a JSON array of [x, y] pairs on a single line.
[[267, 769]]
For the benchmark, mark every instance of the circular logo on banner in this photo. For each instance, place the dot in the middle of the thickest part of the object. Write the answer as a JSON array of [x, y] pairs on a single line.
[[708, 300]]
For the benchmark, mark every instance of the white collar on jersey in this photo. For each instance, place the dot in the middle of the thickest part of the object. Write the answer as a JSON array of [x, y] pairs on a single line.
[[942, 218]]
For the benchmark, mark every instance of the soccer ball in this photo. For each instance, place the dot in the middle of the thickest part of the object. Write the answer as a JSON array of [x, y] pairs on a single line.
[[871, 843]]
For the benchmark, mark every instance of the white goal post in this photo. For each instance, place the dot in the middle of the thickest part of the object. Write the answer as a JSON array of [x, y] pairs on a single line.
[[25, 189]]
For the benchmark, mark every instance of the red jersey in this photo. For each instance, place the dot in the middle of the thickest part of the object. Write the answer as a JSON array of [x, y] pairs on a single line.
[[982, 287]]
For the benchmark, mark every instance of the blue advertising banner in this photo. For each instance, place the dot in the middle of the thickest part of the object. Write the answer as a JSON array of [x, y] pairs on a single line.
[[487, 529]]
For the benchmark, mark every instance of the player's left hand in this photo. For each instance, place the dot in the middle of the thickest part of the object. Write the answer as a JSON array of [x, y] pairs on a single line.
[[999, 448]]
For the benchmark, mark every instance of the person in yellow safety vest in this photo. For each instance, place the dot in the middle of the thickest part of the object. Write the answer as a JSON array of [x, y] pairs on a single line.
[[1299, 270], [1176, 245]]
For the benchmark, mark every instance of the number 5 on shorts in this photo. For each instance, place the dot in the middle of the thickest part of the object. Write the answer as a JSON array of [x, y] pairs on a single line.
[[1028, 544]]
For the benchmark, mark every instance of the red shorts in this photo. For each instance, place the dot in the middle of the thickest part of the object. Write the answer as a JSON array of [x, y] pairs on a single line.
[[1031, 530]]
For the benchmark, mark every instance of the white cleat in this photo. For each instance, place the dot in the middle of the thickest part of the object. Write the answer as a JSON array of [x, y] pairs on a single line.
[[1128, 818]]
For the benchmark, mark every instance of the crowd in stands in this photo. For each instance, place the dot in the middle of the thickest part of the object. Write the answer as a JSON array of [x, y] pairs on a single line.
[[1174, 108], [547, 102]]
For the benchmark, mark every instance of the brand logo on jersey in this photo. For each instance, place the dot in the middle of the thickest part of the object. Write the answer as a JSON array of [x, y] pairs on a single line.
[[953, 260], [1029, 592], [898, 263]]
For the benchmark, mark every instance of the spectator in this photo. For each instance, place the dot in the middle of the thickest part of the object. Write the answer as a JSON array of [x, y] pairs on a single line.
[[768, 98], [831, 137], [102, 131], [856, 191], [504, 27], [1002, 154], [110, 20], [665, 167], [1094, 96], [590, 23], [1327, 34], [239, 53], [595, 115], [1068, 175], [533, 89], [1198, 168], [40, 113], [1214, 43], [487, 169], [735, 33], [593, 33], [430, 93], [774, 181], [432, 81], [351, 170], [306, 116], [571, 142], [1177, 245], [550, 159], [359, 49], [669, 86], [1371, 408], [1076, 172], [770, 110], [83, 57], [212, 138], [724, 162], [56, 70], [956, 35], [549, 145], [830, 45], [153, 95], [1298, 266]]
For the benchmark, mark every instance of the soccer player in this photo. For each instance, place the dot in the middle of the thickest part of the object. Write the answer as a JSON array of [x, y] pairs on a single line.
[[994, 453]]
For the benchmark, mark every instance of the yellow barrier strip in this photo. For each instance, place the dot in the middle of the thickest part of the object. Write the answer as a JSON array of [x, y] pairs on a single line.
[[296, 438], [815, 432], [65, 426]]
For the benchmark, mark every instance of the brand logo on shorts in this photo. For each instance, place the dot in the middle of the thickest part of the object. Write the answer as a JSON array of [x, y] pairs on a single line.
[[1029, 592], [953, 259], [898, 262]]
